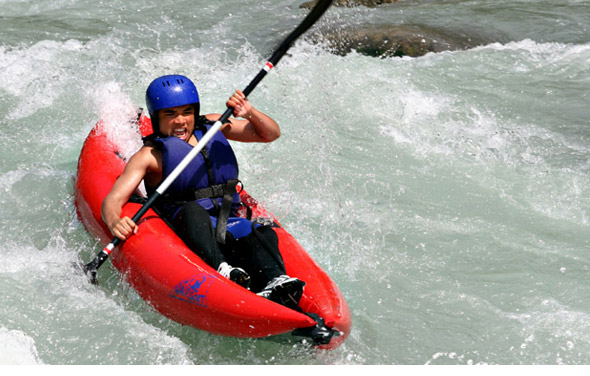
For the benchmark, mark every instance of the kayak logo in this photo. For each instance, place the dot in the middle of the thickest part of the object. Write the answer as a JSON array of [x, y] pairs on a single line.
[[193, 289]]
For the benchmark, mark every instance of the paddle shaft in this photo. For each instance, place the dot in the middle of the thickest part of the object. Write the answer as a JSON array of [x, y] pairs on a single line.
[[308, 21]]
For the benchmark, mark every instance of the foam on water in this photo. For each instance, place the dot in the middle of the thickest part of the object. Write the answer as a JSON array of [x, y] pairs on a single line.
[[118, 113], [56, 307], [16, 348]]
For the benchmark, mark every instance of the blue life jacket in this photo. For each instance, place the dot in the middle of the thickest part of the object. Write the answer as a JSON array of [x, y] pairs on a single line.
[[209, 179]]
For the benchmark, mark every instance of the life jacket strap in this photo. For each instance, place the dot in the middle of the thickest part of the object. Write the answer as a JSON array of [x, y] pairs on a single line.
[[227, 192], [224, 191]]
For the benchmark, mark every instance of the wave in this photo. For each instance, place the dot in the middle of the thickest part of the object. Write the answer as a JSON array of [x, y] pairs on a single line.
[[16, 348]]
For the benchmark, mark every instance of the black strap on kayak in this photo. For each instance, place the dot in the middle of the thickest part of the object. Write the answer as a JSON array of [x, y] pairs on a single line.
[[320, 333], [248, 210]]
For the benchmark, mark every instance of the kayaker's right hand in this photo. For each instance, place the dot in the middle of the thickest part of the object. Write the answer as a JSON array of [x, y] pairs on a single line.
[[240, 104], [123, 228]]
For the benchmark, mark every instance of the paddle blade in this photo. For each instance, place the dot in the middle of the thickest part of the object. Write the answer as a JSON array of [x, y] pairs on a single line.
[[318, 10]]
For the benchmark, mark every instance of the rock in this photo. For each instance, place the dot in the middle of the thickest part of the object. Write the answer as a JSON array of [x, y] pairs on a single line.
[[395, 40], [392, 39], [351, 3]]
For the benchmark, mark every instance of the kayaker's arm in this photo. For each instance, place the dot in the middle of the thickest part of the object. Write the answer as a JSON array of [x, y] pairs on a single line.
[[136, 170], [253, 125]]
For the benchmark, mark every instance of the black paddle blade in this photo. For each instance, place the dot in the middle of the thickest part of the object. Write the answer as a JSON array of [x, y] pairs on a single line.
[[318, 10], [87, 270], [91, 269], [321, 334]]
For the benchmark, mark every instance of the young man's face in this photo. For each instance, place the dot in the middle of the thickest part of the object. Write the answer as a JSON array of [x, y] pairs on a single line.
[[177, 121]]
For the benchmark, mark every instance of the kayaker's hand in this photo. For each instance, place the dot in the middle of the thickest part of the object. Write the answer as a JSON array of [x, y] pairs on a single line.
[[123, 228], [241, 105]]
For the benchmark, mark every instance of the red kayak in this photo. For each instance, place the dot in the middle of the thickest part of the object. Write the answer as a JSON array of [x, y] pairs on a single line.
[[178, 284]]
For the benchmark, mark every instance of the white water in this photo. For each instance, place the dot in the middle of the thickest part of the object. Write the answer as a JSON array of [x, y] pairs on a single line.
[[447, 195]]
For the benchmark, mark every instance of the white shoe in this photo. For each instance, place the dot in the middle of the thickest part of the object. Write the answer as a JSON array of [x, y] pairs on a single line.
[[237, 275]]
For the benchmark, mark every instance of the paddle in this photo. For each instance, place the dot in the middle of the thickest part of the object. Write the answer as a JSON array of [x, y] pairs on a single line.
[[91, 269]]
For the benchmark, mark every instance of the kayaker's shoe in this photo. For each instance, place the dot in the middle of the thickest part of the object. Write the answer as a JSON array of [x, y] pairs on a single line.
[[284, 290], [237, 275]]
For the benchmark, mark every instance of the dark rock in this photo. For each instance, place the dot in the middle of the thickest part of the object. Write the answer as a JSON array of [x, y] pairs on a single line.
[[395, 40], [351, 3], [390, 39]]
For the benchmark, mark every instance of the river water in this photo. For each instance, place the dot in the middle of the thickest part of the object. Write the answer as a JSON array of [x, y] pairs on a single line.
[[448, 195]]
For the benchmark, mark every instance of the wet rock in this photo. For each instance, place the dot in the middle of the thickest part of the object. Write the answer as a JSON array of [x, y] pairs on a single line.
[[395, 40], [351, 3], [390, 39]]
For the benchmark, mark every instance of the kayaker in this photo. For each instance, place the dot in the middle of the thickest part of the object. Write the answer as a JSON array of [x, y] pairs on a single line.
[[201, 204]]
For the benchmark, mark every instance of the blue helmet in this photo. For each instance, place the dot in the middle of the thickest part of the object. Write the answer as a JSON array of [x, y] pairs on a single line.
[[170, 91]]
